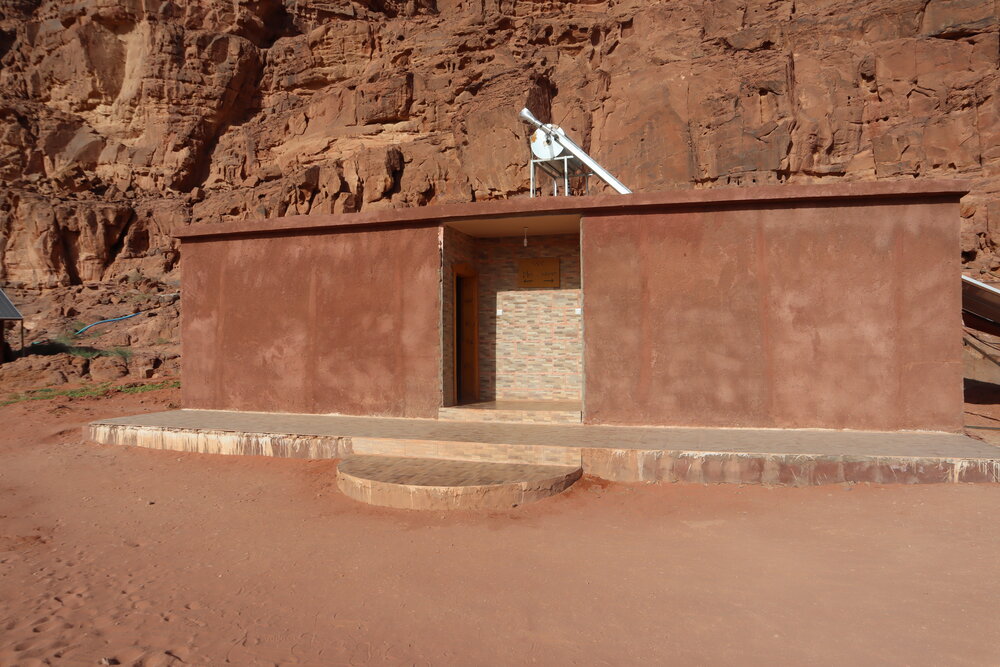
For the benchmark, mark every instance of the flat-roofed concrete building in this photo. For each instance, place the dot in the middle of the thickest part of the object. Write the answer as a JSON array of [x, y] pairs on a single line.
[[787, 335], [777, 307]]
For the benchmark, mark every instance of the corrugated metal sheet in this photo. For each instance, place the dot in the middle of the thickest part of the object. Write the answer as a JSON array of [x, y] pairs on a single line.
[[980, 305], [7, 309]]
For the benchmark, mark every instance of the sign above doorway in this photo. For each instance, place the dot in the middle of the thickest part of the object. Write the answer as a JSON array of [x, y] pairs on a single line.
[[538, 272]]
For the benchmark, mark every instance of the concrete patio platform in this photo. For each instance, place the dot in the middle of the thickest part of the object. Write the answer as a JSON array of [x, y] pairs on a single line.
[[630, 454]]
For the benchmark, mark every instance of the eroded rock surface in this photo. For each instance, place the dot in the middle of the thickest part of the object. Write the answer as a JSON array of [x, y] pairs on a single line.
[[122, 120]]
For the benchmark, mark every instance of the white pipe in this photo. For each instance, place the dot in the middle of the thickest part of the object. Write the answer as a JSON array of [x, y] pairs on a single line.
[[981, 285], [577, 152]]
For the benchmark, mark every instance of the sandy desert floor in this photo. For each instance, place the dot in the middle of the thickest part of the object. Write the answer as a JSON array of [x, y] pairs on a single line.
[[136, 557]]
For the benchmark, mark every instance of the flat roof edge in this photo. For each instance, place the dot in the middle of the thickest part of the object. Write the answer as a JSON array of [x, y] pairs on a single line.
[[604, 204]]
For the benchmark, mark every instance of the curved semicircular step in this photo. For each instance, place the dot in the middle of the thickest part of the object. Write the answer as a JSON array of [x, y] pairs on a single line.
[[439, 484]]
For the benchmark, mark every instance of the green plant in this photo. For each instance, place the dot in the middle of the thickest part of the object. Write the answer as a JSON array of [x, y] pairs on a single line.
[[122, 352], [139, 388], [88, 391], [49, 392], [64, 338], [69, 343]]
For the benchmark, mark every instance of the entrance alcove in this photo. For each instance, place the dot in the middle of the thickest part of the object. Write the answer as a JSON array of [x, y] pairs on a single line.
[[524, 346]]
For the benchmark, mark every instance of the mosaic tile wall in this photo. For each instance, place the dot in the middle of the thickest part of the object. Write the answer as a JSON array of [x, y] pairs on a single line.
[[534, 350]]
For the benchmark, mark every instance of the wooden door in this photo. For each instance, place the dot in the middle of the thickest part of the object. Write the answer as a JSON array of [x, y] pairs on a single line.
[[466, 337]]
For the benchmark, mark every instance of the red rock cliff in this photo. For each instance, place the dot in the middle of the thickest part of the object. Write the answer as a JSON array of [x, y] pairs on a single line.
[[121, 120]]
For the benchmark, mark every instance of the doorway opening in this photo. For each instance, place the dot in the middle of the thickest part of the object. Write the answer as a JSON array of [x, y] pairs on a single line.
[[466, 335]]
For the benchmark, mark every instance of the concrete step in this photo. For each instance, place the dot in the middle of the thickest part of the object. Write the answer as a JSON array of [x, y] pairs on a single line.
[[468, 450], [444, 484], [524, 412]]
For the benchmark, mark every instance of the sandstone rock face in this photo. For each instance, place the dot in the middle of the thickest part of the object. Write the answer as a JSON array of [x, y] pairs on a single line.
[[122, 120], [142, 347]]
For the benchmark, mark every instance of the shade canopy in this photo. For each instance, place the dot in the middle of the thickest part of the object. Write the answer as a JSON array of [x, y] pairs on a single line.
[[7, 309]]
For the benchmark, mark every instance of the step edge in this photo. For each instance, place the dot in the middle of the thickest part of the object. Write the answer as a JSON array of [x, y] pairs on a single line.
[[571, 472], [492, 497]]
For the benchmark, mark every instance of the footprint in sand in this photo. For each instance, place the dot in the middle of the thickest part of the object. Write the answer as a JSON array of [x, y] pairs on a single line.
[[143, 657], [52, 624], [30, 662], [128, 656], [102, 623], [34, 645], [70, 600]]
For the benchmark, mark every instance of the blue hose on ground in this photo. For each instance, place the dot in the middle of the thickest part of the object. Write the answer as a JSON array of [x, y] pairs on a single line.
[[113, 319]]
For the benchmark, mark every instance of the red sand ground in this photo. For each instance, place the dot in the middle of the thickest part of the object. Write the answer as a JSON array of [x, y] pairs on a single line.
[[145, 557]]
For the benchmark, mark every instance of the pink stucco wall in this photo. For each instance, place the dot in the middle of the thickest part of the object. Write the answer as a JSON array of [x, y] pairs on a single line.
[[834, 314], [345, 322]]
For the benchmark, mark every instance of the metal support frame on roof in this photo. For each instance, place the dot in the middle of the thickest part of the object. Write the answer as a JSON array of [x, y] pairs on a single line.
[[559, 157], [561, 170]]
